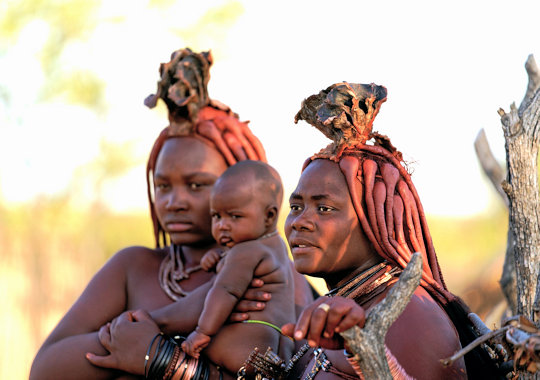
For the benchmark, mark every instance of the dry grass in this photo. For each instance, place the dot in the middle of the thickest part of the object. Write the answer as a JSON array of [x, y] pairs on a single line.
[[49, 253]]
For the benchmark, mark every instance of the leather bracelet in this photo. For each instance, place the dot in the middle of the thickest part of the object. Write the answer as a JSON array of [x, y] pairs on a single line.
[[147, 356]]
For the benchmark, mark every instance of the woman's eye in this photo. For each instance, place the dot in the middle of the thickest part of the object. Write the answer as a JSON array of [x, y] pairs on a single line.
[[236, 216], [162, 186], [295, 207], [216, 216], [195, 186], [324, 208]]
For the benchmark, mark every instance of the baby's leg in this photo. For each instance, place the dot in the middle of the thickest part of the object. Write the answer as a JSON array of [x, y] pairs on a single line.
[[232, 345], [195, 343]]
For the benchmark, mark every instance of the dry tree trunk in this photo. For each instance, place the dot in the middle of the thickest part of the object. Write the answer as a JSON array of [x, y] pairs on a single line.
[[521, 135], [522, 131]]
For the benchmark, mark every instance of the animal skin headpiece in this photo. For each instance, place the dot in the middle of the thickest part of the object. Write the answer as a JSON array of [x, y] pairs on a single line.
[[183, 87], [381, 189]]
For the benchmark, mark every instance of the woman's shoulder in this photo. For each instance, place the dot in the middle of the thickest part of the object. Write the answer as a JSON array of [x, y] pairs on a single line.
[[422, 335], [136, 254]]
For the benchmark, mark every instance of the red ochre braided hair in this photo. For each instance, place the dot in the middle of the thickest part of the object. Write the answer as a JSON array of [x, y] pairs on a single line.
[[381, 189], [385, 199], [183, 88]]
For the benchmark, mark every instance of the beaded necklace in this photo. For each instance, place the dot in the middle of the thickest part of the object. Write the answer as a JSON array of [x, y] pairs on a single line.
[[359, 285], [171, 272]]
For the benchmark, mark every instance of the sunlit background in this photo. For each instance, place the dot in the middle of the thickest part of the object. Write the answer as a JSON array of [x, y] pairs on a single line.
[[75, 135]]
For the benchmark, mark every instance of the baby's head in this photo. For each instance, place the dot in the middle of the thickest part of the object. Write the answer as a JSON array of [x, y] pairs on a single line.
[[245, 202]]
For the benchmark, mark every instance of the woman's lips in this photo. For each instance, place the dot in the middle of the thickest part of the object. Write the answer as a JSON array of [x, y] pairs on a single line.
[[178, 227], [302, 248]]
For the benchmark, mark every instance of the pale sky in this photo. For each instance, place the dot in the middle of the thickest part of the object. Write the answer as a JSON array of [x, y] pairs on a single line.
[[448, 67]]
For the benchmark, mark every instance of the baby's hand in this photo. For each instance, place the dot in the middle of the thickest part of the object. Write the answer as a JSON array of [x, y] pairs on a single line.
[[210, 259], [195, 343]]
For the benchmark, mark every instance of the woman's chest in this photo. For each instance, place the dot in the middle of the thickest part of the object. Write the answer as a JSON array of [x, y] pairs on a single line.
[[145, 286]]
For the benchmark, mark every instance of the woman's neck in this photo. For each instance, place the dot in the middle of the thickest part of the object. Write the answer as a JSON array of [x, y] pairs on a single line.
[[193, 253], [337, 279]]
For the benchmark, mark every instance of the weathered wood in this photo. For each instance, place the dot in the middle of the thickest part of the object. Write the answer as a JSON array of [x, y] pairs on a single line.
[[521, 132], [516, 342], [521, 136], [367, 344], [534, 82], [490, 166]]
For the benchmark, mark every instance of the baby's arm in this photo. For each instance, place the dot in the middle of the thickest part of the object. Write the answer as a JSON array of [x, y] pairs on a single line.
[[210, 259], [229, 286]]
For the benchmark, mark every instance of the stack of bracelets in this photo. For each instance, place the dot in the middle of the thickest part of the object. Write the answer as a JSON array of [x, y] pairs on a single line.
[[171, 363]]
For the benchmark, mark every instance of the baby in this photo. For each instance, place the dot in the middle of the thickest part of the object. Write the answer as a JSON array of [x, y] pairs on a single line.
[[244, 204]]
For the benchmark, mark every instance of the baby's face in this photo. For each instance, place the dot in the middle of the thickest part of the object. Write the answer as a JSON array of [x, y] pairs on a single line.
[[237, 216]]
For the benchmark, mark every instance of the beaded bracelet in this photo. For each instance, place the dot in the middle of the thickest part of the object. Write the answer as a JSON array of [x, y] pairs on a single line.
[[179, 365], [172, 363]]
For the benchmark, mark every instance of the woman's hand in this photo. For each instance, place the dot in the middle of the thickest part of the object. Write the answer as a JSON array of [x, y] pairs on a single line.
[[320, 321], [127, 339], [252, 300]]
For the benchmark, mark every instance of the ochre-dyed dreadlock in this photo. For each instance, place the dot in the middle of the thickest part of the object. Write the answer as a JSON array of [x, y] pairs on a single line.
[[183, 88], [381, 189]]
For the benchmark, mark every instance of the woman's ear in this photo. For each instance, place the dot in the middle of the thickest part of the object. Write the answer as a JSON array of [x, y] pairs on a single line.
[[271, 214]]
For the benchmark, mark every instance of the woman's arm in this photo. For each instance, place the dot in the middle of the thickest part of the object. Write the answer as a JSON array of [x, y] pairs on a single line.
[[421, 336], [127, 339], [181, 316], [62, 354]]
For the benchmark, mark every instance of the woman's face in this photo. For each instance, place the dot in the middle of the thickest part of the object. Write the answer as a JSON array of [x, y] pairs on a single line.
[[322, 227], [186, 170]]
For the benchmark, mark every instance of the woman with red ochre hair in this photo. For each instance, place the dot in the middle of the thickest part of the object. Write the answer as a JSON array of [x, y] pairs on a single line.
[[203, 138], [355, 220]]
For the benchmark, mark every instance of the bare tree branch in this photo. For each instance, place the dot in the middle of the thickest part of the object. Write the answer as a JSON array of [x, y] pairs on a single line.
[[533, 85], [367, 344], [491, 167]]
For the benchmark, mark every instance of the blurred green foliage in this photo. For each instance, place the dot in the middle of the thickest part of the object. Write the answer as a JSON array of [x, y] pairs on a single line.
[[212, 23], [68, 22], [51, 246]]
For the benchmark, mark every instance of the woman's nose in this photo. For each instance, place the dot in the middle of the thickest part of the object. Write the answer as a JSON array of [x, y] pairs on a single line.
[[177, 201], [303, 221]]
